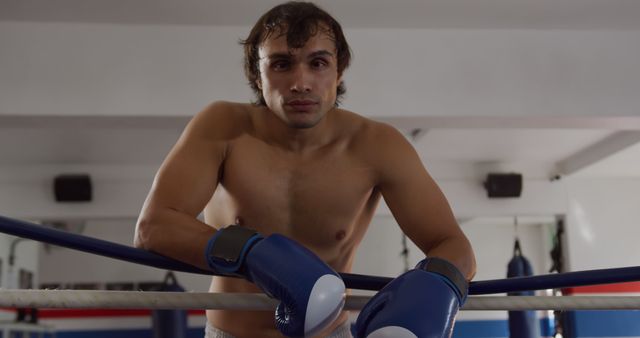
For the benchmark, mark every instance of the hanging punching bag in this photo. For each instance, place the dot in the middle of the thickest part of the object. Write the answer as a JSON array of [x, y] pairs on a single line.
[[522, 324], [170, 323]]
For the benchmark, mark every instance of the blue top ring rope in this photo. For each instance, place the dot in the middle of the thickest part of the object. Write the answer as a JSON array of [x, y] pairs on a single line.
[[353, 281]]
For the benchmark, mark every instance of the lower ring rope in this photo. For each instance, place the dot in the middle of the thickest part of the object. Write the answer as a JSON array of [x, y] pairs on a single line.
[[92, 299]]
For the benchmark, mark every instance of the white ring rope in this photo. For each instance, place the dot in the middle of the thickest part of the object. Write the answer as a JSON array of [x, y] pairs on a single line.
[[517, 303], [78, 299]]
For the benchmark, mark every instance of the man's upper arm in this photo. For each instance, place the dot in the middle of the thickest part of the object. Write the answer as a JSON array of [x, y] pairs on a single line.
[[417, 203], [189, 175]]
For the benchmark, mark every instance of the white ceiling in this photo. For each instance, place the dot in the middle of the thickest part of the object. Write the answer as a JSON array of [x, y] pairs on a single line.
[[451, 147], [473, 14]]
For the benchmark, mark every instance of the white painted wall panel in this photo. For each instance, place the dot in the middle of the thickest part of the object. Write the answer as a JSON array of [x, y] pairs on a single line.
[[603, 224], [102, 69], [25, 258]]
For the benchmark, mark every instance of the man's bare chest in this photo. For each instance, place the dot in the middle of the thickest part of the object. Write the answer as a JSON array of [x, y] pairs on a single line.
[[329, 184]]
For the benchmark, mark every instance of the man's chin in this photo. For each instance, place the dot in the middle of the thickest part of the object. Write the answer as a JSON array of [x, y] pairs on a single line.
[[303, 122]]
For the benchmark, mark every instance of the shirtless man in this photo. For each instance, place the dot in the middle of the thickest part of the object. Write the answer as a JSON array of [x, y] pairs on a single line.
[[295, 164]]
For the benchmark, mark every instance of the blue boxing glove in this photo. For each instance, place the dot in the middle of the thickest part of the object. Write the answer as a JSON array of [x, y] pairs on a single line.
[[421, 303], [311, 293]]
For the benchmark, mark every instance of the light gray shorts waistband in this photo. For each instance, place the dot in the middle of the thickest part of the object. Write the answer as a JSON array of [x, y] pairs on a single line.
[[341, 331], [213, 332]]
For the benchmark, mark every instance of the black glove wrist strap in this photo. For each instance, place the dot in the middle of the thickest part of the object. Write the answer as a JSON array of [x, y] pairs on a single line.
[[447, 270], [227, 248]]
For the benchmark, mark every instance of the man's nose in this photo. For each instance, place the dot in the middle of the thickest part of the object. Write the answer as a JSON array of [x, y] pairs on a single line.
[[301, 81]]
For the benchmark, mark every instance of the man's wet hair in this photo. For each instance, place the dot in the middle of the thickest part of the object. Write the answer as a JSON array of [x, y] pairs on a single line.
[[299, 21]]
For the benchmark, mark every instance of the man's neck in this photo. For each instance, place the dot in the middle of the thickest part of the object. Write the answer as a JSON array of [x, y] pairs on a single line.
[[298, 140]]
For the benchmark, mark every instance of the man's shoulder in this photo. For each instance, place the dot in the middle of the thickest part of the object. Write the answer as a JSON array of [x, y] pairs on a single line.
[[224, 119], [368, 130], [226, 110], [377, 143]]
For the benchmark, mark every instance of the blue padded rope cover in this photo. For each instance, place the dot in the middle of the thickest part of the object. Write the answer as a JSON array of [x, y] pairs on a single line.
[[353, 281]]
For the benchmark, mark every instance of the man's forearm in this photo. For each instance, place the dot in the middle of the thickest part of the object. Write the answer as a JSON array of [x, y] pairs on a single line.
[[174, 234], [458, 251]]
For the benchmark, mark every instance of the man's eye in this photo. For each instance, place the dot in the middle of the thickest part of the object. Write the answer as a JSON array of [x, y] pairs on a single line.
[[319, 63], [280, 65]]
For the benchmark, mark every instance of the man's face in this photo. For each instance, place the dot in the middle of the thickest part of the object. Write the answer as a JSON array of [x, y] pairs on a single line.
[[299, 85]]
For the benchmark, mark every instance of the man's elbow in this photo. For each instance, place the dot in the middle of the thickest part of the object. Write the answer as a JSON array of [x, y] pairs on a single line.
[[459, 248], [143, 238], [472, 268], [471, 262]]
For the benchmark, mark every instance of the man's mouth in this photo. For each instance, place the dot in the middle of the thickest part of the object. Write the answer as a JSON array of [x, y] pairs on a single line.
[[301, 105]]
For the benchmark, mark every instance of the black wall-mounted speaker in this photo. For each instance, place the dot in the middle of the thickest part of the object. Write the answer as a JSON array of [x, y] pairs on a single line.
[[72, 188], [503, 185]]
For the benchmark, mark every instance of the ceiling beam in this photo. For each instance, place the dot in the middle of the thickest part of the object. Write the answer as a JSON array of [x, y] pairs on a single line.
[[513, 122], [92, 122], [596, 152], [401, 122]]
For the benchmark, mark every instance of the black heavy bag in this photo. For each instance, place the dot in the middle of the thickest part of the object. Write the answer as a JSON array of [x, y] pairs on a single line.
[[522, 324], [170, 323]]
